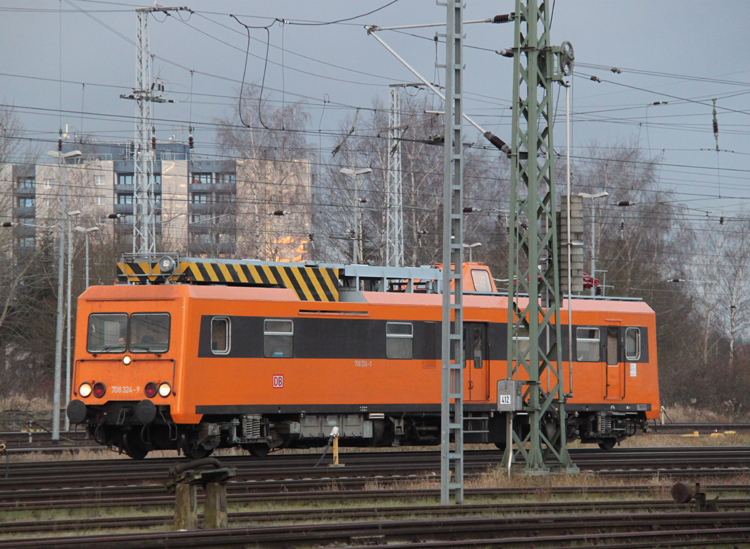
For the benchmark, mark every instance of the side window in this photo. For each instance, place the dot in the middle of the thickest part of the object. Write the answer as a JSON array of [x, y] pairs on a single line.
[[632, 344], [481, 280], [587, 344], [399, 338], [522, 340], [220, 335], [278, 338]]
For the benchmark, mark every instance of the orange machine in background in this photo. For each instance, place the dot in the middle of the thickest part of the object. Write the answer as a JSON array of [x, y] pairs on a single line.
[[273, 355]]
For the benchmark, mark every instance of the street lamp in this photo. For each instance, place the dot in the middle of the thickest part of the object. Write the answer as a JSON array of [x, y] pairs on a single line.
[[357, 211], [471, 247], [593, 235], [61, 157], [86, 232]]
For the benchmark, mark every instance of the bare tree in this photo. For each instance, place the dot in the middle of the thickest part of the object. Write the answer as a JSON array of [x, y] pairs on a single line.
[[274, 176], [421, 145]]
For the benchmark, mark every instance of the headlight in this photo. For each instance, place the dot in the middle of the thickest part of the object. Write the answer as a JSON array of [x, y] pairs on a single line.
[[99, 389], [164, 390], [126, 360], [84, 390], [150, 389]]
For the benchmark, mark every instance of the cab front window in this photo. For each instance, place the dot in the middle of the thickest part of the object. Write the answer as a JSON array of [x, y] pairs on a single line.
[[149, 333], [107, 333]]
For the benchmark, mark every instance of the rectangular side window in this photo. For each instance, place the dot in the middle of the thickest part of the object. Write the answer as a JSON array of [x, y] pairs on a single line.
[[632, 344], [522, 341], [587, 344], [278, 338], [481, 280], [149, 332], [107, 333], [399, 339], [220, 335]]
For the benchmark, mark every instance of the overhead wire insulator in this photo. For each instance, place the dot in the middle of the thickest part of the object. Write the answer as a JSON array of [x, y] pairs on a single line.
[[721, 220], [190, 142], [505, 18], [596, 79], [499, 143], [505, 53], [716, 128], [153, 143]]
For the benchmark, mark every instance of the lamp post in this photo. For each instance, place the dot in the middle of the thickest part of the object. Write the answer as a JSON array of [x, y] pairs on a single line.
[[471, 247], [61, 157], [593, 235], [68, 315], [357, 211], [86, 232]]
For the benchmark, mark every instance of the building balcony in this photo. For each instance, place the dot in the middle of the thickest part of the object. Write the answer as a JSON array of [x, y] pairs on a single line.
[[24, 211], [224, 188], [200, 208], [24, 191], [201, 187], [23, 251], [124, 208], [124, 188], [24, 230], [225, 248]]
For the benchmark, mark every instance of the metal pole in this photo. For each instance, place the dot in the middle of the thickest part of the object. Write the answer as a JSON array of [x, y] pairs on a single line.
[[570, 245], [355, 259], [451, 415], [87, 259], [593, 248], [67, 320], [360, 239], [59, 327]]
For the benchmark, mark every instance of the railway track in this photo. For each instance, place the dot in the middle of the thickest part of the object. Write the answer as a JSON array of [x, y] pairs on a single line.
[[363, 513], [39, 439], [45, 485], [494, 515], [624, 461], [545, 530]]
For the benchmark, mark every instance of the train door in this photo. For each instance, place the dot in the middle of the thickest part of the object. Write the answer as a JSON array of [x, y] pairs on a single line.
[[477, 366], [614, 366]]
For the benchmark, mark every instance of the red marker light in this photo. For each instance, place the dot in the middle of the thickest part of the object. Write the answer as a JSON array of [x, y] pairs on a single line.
[[151, 389], [99, 389]]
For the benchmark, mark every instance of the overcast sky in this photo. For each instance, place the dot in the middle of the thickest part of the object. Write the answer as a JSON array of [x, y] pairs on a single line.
[[680, 51]]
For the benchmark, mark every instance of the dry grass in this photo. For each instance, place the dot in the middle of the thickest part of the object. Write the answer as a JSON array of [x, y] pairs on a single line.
[[728, 413], [23, 403]]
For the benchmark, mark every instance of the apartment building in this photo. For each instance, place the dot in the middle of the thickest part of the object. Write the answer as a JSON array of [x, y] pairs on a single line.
[[202, 207]]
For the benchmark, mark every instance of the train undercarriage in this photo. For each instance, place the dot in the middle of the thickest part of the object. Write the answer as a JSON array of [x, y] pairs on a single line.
[[136, 429]]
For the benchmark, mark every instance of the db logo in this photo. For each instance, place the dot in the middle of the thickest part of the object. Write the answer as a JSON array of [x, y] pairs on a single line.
[[278, 382]]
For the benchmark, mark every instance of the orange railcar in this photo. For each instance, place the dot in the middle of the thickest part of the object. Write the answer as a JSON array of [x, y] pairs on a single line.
[[198, 366]]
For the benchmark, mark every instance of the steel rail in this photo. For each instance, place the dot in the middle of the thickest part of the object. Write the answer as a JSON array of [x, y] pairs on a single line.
[[28, 500], [505, 530], [363, 513]]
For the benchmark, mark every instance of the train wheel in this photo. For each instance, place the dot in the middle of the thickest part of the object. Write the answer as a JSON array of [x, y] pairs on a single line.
[[134, 446], [607, 444], [199, 453], [258, 450]]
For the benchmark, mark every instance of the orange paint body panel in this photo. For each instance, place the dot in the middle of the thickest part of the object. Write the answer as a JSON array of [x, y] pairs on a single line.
[[199, 381]]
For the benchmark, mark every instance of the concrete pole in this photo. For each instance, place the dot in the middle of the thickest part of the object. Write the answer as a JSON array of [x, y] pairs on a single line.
[[59, 328], [67, 320], [355, 258], [87, 259], [593, 248]]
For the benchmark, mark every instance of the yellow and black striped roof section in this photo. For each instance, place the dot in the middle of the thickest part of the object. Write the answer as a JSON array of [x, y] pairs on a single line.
[[309, 283]]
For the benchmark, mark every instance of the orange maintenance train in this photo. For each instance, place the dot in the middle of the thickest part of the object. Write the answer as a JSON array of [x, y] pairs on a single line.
[[197, 354]]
